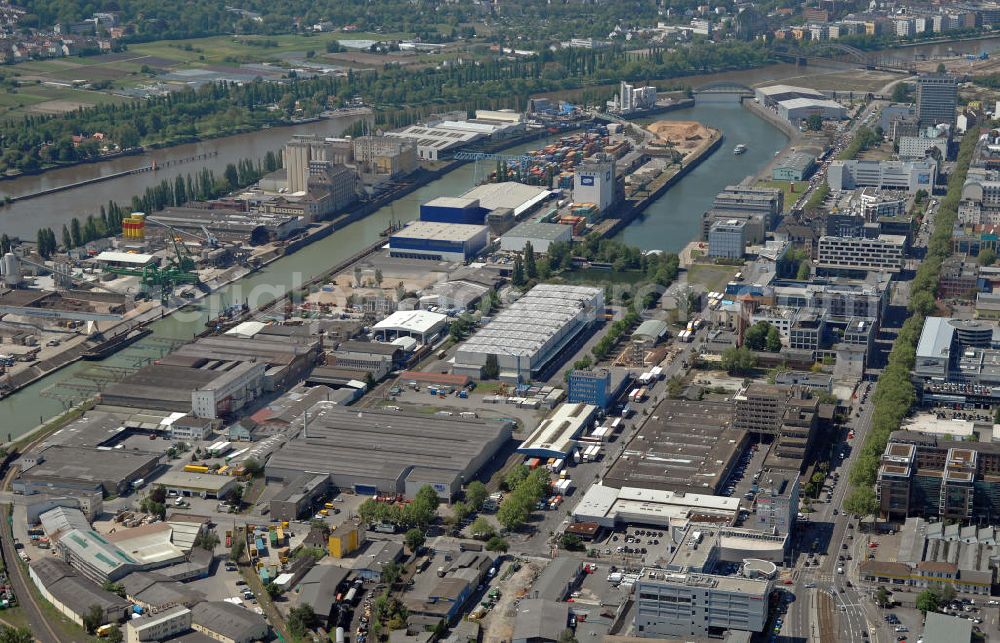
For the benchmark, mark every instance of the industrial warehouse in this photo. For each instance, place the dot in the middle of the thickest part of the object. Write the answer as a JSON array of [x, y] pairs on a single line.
[[528, 335], [373, 451]]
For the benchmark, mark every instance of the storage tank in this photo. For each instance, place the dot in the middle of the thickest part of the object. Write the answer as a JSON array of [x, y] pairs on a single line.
[[11, 270], [340, 635]]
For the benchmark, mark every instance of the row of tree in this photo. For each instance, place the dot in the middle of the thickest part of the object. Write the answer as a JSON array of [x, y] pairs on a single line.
[[894, 394]]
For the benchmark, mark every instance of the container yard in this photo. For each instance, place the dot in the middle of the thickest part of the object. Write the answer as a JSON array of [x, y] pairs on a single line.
[[553, 165]]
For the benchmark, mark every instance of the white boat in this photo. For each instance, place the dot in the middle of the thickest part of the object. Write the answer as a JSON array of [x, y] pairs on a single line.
[[740, 149]]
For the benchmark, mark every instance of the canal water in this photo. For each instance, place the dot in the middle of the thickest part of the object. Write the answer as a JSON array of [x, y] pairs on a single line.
[[24, 218], [668, 224], [675, 218]]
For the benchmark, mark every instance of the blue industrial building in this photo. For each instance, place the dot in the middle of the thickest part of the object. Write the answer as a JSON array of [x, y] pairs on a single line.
[[599, 387], [446, 209], [438, 241]]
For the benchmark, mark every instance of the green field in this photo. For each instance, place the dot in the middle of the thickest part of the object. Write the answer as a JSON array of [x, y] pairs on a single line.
[[712, 277], [48, 99], [786, 187]]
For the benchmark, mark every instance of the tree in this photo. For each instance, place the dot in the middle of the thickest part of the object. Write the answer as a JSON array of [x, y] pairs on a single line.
[[756, 336], [804, 271], [9, 634], [301, 619], [773, 342], [861, 502], [414, 539], [512, 514], [491, 370], [882, 597], [272, 589], [5, 244], [114, 588], [738, 361], [75, 232], [93, 619], [482, 528], [253, 468], [207, 540], [814, 122], [391, 573], [928, 601], [530, 267], [517, 274], [476, 494], [941, 69], [900, 93], [987, 257], [496, 543], [236, 551], [571, 542], [67, 240], [567, 636]]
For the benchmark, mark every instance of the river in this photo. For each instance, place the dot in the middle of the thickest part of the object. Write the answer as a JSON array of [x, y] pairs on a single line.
[[668, 224], [23, 218]]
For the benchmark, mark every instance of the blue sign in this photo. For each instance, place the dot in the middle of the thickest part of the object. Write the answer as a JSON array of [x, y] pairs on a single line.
[[586, 180]]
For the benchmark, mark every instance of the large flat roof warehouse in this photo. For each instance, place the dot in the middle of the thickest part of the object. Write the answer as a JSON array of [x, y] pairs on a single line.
[[555, 436], [508, 194], [684, 446], [456, 232], [608, 507], [409, 323], [530, 332], [370, 448], [128, 258]]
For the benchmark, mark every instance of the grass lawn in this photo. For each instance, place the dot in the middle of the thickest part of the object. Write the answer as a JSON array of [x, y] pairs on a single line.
[[34, 99], [786, 187], [712, 277]]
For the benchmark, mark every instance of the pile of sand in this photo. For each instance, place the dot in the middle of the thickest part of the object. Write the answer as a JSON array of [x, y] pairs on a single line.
[[681, 134]]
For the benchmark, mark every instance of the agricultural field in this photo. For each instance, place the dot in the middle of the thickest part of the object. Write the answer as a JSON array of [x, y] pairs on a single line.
[[45, 98]]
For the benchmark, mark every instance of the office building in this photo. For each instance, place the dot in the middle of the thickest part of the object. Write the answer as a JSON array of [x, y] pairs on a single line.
[[229, 392], [599, 386], [937, 97], [760, 408], [884, 253], [930, 476], [526, 336], [159, 626], [679, 605], [765, 202], [913, 148], [594, 182], [776, 503], [958, 362], [896, 175], [727, 239]]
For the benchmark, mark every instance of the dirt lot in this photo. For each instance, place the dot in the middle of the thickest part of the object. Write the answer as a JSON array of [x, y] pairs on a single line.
[[685, 136], [498, 625]]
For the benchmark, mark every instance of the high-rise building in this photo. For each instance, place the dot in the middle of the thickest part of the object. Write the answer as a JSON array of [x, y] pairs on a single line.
[[937, 97], [727, 239]]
